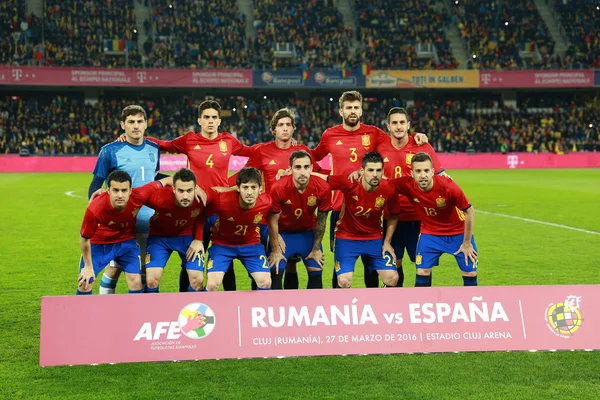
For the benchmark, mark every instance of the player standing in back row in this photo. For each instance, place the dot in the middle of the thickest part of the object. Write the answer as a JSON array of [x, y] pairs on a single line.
[[348, 143], [140, 158], [208, 154]]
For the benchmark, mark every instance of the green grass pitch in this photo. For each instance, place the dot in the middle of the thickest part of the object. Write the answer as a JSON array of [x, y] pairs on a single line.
[[39, 256]]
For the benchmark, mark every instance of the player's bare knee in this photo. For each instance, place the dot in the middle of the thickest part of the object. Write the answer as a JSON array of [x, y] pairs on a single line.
[[473, 273], [134, 281], [264, 283], [212, 286], [344, 281], [196, 282], [424, 271], [152, 281], [390, 280]]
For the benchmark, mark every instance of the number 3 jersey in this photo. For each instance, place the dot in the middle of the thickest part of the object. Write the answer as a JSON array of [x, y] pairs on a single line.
[[362, 211], [439, 209], [235, 225]]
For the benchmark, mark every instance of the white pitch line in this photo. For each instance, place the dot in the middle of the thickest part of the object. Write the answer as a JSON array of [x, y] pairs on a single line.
[[71, 194], [540, 222]]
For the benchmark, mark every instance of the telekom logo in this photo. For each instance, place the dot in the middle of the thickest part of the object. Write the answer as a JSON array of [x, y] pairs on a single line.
[[141, 76], [486, 78], [17, 74], [512, 161]]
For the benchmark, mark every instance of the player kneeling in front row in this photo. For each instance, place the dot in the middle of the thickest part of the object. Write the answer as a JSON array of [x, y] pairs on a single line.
[[296, 199], [236, 233], [177, 225], [108, 231], [358, 232], [447, 220]]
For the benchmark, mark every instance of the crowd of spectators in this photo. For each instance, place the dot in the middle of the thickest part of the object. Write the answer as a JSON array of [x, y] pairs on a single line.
[[580, 20], [65, 124], [19, 34], [75, 32], [389, 34], [495, 32], [198, 34], [315, 28]]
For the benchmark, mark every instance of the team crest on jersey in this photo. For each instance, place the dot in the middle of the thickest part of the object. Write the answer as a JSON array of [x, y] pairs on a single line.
[[209, 265], [415, 200], [379, 202], [440, 202], [147, 259], [135, 211], [419, 259], [366, 140], [151, 155], [312, 201], [337, 266], [195, 213], [223, 146], [409, 157], [257, 218], [355, 198]]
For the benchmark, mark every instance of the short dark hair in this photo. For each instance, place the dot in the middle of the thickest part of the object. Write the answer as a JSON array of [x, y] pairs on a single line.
[[248, 174], [119, 177], [184, 175], [282, 113], [372, 157], [207, 105], [133, 110], [351, 95], [397, 110], [420, 157], [299, 154]]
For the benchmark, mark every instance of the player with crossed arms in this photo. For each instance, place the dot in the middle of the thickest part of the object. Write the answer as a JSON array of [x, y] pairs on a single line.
[[447, 220], [296, 199]]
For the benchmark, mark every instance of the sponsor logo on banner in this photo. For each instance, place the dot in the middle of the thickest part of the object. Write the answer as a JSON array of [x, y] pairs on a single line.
[[281, 80], [325, 79], [537, 79], [196, 320], [564, 319], [423, 79]]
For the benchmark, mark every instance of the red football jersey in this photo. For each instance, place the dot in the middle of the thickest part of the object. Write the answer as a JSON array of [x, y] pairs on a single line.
[[396, 164], [237, 226], [347, 149], [360, 217], [102, 224], [298, 210], [440, 209], [208, 159], [171, 220], [270, 159]]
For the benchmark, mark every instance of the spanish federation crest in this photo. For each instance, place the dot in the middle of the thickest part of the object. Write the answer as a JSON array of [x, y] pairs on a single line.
[[409, 157], [440, 202], [312, 201], [195, 213], [135, 211], [257, 218], [379, 202], [223, 146], [366, 140]]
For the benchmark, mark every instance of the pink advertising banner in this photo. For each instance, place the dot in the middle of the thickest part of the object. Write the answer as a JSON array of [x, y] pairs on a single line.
[[536, 79], [198, 326], [66, 76], [14, 163]]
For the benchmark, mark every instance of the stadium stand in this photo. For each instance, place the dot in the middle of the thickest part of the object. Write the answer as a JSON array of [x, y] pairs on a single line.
[[64, 124], [505, 35], [199, 34], [580, 20], [90, 33], [301, 34], [390, 31]]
